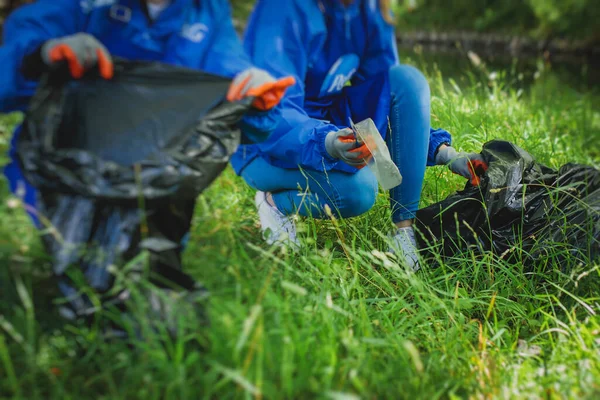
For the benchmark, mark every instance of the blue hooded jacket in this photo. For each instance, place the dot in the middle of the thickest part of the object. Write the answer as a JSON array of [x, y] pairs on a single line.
[[197, 34], [325, 46]]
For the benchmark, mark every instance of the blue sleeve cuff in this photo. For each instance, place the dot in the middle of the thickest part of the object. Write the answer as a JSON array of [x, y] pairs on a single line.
[[320, 137], [437, 138], [257, 125]]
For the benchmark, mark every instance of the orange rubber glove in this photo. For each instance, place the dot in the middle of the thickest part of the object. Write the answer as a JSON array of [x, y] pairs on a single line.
[[81, 52], [344, 146], [469, 165], [257, 83]]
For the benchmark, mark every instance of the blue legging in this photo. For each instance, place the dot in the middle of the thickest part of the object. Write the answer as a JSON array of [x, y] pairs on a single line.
[[348, 195]]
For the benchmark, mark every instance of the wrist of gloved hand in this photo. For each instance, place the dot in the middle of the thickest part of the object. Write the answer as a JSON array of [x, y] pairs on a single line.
[[330, 145], [445, 154]]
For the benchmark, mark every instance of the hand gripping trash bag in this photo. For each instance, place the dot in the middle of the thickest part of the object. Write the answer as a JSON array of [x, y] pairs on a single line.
[[522, 211], [118, 166]]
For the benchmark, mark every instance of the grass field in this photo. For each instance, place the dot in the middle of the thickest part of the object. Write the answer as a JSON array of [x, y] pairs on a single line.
[[339, 320]]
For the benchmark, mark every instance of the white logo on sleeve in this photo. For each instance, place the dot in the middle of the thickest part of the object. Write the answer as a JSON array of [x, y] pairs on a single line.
[[194, 32], [340, 74], [340, 81]]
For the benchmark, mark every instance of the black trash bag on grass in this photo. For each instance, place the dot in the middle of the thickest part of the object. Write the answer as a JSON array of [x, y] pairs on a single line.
[[118, 166], [522, 211]]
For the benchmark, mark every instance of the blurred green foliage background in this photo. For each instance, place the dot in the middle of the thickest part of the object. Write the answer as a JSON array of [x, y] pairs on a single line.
[[576, 19]]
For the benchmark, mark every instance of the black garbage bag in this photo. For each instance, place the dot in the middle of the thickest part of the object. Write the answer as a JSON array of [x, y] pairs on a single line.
[[522, 211], [118, 166]]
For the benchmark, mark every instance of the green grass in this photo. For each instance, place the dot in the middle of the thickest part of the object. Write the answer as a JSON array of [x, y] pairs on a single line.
[[339, 320]]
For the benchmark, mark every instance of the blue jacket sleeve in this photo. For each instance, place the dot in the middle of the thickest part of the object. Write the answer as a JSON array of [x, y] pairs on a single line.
[[227, 57], [281, 36], [24, 31], [437, 138]]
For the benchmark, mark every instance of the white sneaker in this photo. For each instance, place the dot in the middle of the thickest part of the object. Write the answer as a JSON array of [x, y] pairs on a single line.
[[405, 244], [276, 227]]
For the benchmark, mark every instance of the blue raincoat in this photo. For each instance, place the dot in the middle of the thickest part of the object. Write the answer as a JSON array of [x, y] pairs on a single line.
[[196, 34], [340, 57]]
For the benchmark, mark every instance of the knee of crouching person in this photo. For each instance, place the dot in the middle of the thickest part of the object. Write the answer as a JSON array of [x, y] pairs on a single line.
[[358, 197], [408, 81]]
